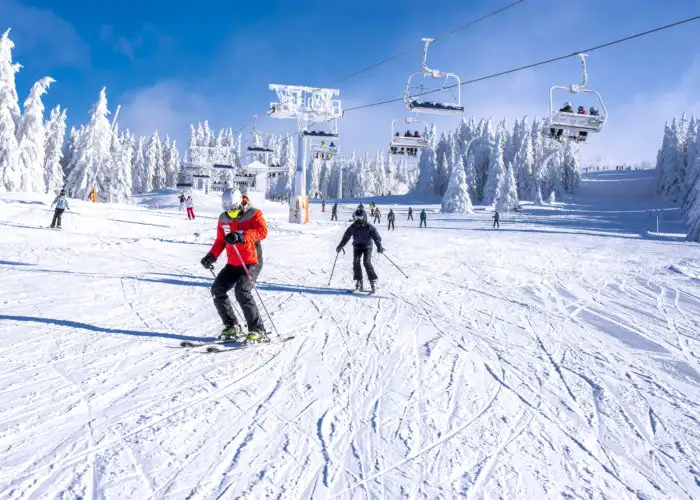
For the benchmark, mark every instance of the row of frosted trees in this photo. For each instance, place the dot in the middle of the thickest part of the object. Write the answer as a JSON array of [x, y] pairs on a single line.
[[34, 158], [678, 169], [479, 162], [31, 148]]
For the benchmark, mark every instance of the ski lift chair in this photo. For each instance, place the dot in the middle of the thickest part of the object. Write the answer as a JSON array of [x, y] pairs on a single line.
[[572, 125], [399, 142], [450, 85]]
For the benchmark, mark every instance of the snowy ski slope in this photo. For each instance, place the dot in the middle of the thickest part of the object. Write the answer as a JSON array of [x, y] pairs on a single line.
[[556, 357]]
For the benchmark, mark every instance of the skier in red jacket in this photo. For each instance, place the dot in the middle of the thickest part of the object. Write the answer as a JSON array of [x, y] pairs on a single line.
[[239, 231]]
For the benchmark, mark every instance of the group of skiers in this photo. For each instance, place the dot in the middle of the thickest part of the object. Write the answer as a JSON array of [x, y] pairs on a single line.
[[376, 213], [188, 203]]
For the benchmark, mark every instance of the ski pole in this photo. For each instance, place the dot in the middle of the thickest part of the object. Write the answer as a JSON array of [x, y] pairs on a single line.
[[334, 262], [397, 267], [252, 282]]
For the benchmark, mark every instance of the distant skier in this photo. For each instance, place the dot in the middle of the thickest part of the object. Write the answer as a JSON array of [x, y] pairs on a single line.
[[377, 216], [496, 218], [182, 201], [423, 219], [61, 205], [238, 229], [410, 213], [323, 206], [362, 234], [391, 216], [371, 208], [189, 203], [334, 212]]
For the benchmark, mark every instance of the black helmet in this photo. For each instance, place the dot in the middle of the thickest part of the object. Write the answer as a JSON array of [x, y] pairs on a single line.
[[63, 191], [359, 215]]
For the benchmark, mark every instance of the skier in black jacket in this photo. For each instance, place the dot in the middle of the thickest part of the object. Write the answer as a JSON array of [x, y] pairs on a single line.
[[362, 234]]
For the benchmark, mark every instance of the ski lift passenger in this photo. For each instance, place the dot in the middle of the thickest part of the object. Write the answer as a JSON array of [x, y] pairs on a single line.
[[566, 108], [416, 134], [332, 145], [581, 110], [593, 111], [397, 134], [407, 134]]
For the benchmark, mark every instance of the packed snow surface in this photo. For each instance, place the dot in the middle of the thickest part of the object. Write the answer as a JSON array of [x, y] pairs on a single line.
[[556, 357]]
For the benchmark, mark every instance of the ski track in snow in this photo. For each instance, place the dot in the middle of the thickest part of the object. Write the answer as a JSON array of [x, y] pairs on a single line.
[[559, 356]]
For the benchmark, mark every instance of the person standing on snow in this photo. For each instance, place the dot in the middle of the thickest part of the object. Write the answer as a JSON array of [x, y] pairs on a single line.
[[323, 205], [189, 203], [377, 216], [61, 205], [496, 218], [423, 219], [182, 201], [410, 213], [238, 231], [334, 212], [362, 234], [391, 217]]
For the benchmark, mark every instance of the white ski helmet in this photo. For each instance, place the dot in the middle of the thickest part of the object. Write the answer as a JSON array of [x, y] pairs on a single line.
[[231, 199]]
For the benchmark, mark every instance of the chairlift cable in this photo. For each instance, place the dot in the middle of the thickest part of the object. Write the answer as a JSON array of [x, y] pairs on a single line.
[[515, 70], [420, 46], [533, 65]]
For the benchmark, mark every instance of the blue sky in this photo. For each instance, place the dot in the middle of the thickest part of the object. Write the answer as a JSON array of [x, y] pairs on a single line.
[[172, 63]]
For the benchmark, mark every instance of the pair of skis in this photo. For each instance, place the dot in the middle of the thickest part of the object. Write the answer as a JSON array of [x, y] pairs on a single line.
[[231, 345]]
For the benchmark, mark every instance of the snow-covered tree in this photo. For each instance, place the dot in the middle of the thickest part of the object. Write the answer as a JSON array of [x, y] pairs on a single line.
[[31, 137], [507, 197], [139, 172], [456, 199], [91, 163], [427, 166], [155, 167], [670, 165], [120, 187], [10, 176], [496, 167], [571, 168], [53, 152], [173, 166], [8, 70]]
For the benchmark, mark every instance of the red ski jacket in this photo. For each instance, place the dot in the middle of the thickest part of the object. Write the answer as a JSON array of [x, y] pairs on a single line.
[[254, 228]]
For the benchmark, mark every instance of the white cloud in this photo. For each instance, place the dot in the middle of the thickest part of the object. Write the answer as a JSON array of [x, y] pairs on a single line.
[[44, 34], [167, 107]]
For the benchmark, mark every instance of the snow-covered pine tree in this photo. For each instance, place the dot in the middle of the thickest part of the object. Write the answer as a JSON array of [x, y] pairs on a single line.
[[91, 163], [69, 149], [482, 147], [442, 170], [496, 166], [672, 173], [456, 199], [10, 176], [154, 164], [524, 163], [8, 70], [507, 199], [427, 166], [53, 151], [692, 197], [571, 168], [139, 172], [31, 137], [121, 181], [173, 170]]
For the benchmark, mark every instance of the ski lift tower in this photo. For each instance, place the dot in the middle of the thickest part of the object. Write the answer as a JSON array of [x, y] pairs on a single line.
[[309, 106]]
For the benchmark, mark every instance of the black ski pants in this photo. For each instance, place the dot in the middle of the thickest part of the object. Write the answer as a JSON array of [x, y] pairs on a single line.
[[391, 225], [365, 254], [57, 217], [334, 216], [235, 276], [423, 223], [495, 223]]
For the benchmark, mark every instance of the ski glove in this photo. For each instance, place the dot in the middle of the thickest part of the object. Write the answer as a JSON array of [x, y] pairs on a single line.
[[338, 249], [208, 261], [380, 249], [234, 237]]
